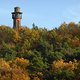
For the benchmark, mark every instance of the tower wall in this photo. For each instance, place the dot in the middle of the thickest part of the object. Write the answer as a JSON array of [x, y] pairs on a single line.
[[16, 24]]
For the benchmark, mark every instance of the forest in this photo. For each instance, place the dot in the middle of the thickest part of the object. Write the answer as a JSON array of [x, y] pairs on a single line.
[[40, 54]]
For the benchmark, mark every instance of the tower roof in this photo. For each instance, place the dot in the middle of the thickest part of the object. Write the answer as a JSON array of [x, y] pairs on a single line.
[[17, 7], [17, 10]]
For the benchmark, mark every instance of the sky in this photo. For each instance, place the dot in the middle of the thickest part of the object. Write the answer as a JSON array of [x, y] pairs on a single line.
[[44, 13]]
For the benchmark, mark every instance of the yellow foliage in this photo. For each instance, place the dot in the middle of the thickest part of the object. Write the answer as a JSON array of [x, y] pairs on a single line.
[[4, 65], [16, 36], [60, 64], [11, 72], [36, 78], [35, 35], [22, 62], [19, 74]]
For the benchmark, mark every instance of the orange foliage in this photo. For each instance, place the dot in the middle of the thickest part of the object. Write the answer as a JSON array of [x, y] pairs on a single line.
[[75, 42]]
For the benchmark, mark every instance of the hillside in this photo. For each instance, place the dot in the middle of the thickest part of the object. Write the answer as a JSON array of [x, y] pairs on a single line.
[[40, 54]]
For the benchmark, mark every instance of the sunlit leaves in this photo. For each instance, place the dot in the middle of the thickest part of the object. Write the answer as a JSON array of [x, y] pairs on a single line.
[[10, 72]]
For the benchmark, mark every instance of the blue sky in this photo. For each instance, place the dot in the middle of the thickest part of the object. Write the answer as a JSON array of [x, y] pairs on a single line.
[[44, 13]]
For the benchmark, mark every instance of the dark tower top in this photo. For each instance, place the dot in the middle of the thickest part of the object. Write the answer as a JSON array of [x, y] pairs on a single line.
[[17, 9], [16, 16]]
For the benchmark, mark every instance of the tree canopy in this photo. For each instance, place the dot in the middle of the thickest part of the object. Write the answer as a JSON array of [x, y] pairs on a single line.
[[40, 54]]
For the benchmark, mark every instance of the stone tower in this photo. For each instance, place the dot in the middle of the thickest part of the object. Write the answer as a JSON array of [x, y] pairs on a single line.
[[16, 16]]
